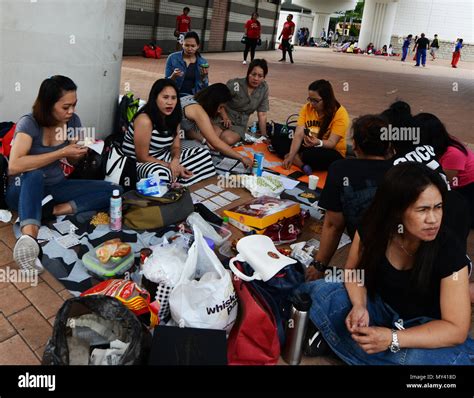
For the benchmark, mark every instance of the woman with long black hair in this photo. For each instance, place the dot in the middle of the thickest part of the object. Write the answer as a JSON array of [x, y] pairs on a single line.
[[455, 158], [153, 140], [405, 295], [198, 112], [320, 137]]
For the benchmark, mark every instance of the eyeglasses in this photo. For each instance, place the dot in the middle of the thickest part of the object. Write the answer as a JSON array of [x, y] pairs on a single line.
[[314, 100]]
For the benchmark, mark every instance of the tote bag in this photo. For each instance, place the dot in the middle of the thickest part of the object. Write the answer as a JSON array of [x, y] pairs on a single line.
[[121, 169]]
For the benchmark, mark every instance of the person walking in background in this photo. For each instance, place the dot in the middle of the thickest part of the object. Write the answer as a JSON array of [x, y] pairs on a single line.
[[323, 35], [422, 45], [253, 30], [405, 47], [183, 26], [414, 47], [456, 53], [286, 36], [434, 47]]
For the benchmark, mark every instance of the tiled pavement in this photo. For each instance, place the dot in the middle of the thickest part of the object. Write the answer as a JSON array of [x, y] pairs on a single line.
[[27, 313]]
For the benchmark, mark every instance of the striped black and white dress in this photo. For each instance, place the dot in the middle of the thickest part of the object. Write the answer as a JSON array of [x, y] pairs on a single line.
[[195, 159]]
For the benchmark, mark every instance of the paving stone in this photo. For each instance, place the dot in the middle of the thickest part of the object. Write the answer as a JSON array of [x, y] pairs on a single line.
[[15, 351], [44, 299], [34, 329]]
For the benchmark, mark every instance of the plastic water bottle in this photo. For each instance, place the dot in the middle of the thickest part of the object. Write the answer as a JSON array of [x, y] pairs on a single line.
[[296, 329], [116, 211], [253, 129]]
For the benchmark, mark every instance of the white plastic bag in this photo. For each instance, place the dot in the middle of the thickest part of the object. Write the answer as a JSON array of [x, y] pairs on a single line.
[[204, 297]]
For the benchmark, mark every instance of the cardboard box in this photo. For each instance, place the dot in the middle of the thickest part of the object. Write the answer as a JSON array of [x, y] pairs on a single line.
[[259, 213]]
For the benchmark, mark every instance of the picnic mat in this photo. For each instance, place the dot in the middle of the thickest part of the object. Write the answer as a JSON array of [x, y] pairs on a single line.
[[66, 264], [274, 163]]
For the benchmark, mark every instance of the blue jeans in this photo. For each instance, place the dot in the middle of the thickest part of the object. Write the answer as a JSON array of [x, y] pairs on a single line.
[[421, 54], [404, 53], [82, 195], [330, 307]]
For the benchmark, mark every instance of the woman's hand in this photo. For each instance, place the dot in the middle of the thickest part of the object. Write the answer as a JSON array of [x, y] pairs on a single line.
[[288, 161], [310, 141], [176, 73], [177, 170], [312, 274], [226, 122], [372, 339], [247, 162], [358, 317], [73, 152]]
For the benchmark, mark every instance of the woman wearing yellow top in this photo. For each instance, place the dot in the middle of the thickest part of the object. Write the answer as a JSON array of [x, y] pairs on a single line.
[[320, 136]]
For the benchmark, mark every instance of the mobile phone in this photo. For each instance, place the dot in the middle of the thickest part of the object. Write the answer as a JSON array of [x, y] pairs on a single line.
[[296, 174], [207, 214], [307, 132]]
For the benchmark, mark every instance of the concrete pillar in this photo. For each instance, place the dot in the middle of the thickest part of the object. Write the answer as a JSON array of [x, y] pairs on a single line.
[[79, 39], [320, 21], [377, 22]]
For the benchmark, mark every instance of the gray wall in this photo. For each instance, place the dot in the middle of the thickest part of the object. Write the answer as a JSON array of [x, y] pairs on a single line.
[[79, 39], [154, 20]]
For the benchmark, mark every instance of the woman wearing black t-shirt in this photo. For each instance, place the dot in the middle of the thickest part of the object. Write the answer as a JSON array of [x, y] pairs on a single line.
[[405, 296]]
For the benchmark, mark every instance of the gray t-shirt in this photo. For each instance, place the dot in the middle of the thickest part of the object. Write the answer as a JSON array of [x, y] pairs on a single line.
[[27, 124], [243, 105], [186, 124]]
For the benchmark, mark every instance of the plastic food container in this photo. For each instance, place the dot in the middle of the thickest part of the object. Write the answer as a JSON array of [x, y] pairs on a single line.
[[111, 268], [223, 232]]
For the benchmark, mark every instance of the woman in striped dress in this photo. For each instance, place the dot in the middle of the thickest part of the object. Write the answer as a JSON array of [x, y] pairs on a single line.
[[154, 141]]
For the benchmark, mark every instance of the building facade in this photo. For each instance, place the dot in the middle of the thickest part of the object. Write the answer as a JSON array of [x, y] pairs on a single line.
[[219, 23]]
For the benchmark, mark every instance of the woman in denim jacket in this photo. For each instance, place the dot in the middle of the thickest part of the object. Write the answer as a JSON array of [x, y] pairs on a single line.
[[404, 299], [188, 68]]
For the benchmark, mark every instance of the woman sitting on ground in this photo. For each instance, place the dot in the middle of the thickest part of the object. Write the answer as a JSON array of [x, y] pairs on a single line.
[[42, 139], [188, 68], [249, 95], [412, 148], [456, 159], [153, 139], [350, 187], [199, 110], [405, 300], [320, 138]]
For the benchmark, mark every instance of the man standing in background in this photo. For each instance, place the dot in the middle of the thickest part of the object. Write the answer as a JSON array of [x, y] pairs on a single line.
[[422, 45], [434, 47], [183, 26]]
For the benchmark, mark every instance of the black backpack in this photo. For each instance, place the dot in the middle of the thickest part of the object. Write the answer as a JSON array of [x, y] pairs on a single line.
[[93, 166]]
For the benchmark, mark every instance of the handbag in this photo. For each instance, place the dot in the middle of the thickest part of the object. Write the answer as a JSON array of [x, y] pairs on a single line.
[[283, 129], [254, 338], [147, 212], [89, 168], [120, 169], [243, 40]]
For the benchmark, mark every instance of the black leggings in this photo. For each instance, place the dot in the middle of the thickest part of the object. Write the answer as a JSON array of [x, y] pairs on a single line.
[[286, 46], [250, 44], [317, 158]]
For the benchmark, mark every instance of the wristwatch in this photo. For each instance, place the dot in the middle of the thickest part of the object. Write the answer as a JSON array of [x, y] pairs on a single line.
[[394, 345], [321, 267]]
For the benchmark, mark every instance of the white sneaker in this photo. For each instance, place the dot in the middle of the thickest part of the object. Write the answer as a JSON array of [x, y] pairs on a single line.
[[26, 253], [244, 63]]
